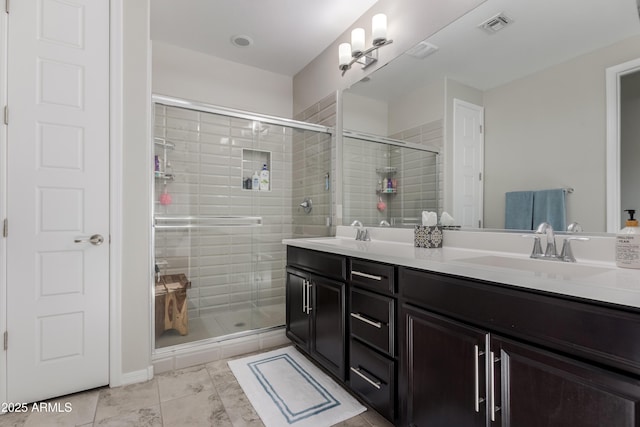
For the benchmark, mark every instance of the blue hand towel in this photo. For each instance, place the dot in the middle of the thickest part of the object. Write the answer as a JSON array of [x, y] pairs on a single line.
[[549, 206], [518, 213]]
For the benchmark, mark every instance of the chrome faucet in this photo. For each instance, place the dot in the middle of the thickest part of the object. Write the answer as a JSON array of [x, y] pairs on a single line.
[[550, 251], [362, 233]]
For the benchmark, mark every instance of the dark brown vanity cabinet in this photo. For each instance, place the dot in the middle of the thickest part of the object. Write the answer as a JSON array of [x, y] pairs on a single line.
[[443, 371], [315, 306], [475, 353], [372, 342]]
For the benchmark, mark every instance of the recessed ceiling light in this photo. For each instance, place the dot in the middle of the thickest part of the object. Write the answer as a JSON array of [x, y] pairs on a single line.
[[241, 40]]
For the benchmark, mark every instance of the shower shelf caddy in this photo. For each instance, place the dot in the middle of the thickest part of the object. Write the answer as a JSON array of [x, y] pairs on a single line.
[[387, 171], [166, 146]]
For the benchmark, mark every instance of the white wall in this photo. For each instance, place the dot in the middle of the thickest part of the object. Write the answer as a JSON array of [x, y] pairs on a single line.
[[547, 130], [364, 114], [423, 105], [187, 74], [136, 261]]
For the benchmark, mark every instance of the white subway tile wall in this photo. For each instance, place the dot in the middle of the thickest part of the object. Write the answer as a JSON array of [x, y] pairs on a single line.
[[431, 134], [313, 159], [232, 268]]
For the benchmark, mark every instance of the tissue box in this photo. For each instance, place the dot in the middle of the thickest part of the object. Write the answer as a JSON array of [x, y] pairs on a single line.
[[427, 236]]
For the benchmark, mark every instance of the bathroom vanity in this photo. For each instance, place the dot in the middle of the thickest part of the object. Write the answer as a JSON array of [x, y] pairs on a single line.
[[458, 336]]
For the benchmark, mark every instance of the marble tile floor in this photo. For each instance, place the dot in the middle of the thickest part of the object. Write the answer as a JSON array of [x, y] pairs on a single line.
[[203, 395], [225, 323]]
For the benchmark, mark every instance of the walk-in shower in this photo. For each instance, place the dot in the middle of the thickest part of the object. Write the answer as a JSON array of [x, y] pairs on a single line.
[[218, 256]]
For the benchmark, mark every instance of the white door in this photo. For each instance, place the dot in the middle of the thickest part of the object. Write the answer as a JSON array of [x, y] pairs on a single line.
[[468, 159], [58, 196]]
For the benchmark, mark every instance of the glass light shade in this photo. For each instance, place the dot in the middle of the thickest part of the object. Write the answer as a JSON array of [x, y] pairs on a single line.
[[379, 28], [357, 41], [344, 54]]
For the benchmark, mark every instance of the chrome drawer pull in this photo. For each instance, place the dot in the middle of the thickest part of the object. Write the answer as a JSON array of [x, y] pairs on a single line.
[[376, 384], [367, 321], [368, 276], [494, 407], [477, 399]]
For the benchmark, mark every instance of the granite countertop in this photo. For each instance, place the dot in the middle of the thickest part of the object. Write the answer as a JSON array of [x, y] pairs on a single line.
[[592, 279]]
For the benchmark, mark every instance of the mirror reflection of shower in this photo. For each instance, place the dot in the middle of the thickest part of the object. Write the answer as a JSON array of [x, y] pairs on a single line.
[[387, 182]]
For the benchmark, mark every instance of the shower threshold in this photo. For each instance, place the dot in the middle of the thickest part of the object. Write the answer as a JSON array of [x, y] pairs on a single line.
[[224, 326]]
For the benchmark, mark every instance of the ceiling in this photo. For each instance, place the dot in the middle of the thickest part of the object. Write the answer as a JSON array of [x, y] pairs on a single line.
[[286, 34], [543, 33]]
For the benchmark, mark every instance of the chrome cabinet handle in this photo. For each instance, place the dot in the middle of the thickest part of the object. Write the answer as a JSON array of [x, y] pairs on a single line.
[[493, 360], [367, 321], [368, 276], [309, 297], [477, 399], [96, 240], [357, 371], [304, 296]]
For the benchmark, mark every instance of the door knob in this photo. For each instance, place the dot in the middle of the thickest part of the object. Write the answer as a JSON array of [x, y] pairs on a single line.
[[96, 239]]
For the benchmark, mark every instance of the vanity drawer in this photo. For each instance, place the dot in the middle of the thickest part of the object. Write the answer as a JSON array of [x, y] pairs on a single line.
[[372, 275], [372, 319], [323, 263], [596, 332], [372, 377]]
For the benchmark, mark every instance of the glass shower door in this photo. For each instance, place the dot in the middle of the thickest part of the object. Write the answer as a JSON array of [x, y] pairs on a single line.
[[214, 227]]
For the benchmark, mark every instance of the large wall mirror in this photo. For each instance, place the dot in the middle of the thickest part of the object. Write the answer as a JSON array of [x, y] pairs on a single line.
[[528, 88]]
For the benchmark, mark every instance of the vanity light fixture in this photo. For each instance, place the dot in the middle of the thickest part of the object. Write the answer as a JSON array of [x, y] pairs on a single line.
[[348, 54]]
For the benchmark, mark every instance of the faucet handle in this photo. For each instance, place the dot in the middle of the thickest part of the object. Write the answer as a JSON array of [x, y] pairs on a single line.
[[537, 246], [567, 254]]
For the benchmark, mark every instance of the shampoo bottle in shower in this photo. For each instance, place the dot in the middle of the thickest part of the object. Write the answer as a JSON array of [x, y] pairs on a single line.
[[628, 243], [264, 178], [255, 181]]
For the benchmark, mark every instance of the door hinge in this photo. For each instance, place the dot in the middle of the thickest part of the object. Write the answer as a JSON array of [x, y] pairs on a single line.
[[479, 223], [480, 176], [6, 115], [6, 340], [5, 228], [6, 6], [480, 128]]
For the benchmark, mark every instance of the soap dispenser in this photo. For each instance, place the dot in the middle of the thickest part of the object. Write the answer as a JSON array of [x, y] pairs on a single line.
[[628, 243]]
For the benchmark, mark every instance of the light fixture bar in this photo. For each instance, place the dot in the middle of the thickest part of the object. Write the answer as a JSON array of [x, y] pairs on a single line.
[[366, 58], [349, 54]]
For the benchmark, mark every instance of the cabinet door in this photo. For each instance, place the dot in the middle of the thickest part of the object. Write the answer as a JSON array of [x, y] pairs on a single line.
[[539, 388], [297, 319], [328, 324], [443, 371]]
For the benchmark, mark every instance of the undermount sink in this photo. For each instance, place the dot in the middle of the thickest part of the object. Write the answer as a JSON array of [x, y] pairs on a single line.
[[549, 267]]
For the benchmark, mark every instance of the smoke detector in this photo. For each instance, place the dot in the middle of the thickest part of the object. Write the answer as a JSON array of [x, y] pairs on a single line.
[[422, 50], [495, 23]]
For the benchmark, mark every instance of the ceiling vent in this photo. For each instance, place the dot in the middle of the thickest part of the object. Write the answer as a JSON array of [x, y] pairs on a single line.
[[495, 23], [422, 50]]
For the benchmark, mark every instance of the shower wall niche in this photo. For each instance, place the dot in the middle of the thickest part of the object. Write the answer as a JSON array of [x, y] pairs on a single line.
[[226, 239]]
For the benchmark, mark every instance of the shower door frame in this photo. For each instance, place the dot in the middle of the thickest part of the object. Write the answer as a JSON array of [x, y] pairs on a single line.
[[228, 112]]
